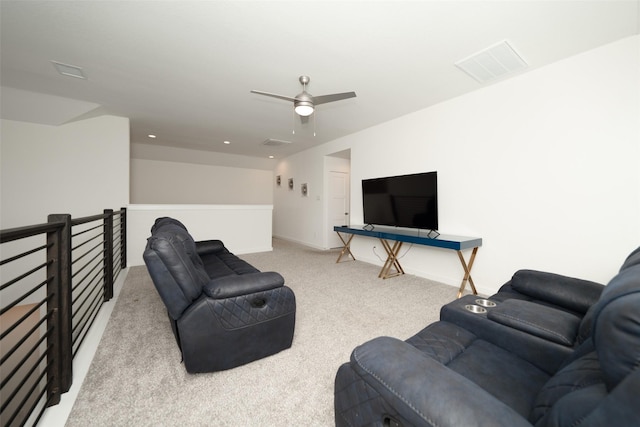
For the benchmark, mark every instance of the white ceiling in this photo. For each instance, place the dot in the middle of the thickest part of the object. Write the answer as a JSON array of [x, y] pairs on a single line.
[[182, 70]]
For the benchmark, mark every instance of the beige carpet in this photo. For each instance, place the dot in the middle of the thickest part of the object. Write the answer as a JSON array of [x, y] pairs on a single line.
[[137, 379]]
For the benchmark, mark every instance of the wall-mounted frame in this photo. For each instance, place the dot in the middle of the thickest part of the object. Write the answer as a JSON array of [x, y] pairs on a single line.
[[278, 180], [304, 190], [290, 183]]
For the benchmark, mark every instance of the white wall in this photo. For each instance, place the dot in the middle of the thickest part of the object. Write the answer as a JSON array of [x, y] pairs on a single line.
[[154, 181], [295, 217], [304, 219], [78, 168], [242, 228], [542, 166], [161, 174]]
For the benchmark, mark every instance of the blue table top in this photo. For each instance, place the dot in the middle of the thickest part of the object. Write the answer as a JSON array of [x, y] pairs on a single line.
[[409, 235]]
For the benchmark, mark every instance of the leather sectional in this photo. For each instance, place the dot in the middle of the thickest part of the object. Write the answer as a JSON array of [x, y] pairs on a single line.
[[545, 351], [223, 312]]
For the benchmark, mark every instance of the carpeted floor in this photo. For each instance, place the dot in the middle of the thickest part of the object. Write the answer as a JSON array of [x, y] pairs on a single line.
[[137, 379]]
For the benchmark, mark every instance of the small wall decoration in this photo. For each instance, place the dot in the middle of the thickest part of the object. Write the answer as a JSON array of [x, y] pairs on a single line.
[[303, 189], [278, 180], [290, 183]]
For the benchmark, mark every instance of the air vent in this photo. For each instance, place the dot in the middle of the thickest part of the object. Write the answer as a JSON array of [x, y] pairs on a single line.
[[495, 61], [274, 142], [69, 70]]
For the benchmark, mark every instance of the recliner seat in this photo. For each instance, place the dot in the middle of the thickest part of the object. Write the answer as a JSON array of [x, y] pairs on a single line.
[[453, 374]]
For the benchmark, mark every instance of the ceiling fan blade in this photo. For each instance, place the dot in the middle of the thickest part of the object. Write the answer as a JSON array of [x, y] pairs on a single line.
[[274, 95], [323, 99]]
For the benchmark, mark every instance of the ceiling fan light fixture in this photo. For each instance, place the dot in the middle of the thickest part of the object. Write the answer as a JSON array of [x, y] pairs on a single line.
[[304, 103], [303, 108]]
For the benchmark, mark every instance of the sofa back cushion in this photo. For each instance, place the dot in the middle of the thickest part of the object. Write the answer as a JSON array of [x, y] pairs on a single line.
[[165, 220], [557, 289], [175, 267], [571, 393]]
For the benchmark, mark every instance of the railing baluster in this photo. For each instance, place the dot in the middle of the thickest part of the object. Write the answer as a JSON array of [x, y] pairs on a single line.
[[108, 255], [54, 336], [123, 238], [62, 288]]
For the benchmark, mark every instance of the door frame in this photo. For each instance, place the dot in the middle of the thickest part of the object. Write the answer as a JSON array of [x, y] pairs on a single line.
[[336, 162]]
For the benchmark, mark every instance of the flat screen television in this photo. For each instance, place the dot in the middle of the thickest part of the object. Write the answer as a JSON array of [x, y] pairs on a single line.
[[409, 201]]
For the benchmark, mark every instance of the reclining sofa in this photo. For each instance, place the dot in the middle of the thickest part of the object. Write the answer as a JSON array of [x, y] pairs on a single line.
[[545, 351], [223, 312]]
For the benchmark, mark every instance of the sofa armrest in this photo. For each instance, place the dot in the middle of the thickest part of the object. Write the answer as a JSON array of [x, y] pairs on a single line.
[[536, 319], [209, 247], [423, 391], [243, 284], [567, 292]]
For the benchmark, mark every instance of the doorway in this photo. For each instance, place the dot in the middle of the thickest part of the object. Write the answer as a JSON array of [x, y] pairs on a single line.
[[338, 195]]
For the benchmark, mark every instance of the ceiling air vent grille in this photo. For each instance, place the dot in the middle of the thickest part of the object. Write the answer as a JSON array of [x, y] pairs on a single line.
[[69, 70], [492, 62], [274, 142]]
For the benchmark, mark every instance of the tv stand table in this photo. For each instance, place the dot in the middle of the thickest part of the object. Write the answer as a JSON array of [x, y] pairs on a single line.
[[393, 238]]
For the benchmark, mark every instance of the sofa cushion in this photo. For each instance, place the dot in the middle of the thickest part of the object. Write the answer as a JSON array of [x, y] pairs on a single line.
[[210, 247], [224, 263], [237, 265], [215, 267], [483, 363]]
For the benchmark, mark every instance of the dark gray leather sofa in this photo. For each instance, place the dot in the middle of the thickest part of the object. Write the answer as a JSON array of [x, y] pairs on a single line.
[[224, 312], [551, 359]]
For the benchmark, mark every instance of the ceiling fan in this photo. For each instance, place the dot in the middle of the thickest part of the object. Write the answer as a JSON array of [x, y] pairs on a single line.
[[304, 103]]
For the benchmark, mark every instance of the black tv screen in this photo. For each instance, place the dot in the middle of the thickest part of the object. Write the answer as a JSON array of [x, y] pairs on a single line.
[[402, 201]]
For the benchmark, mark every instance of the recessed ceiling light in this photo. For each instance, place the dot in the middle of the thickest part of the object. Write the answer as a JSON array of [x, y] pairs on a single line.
[[227, 142], [69, 70], [271, 157], [151, 136]]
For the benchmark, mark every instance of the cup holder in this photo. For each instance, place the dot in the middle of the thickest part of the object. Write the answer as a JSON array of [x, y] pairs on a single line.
[[485, 302], [475, 308]]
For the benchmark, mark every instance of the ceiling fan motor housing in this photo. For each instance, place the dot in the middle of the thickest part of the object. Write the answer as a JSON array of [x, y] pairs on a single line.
[[303, 105]]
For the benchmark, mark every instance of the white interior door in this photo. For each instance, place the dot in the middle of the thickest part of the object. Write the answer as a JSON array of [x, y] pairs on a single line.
[[338, 205]]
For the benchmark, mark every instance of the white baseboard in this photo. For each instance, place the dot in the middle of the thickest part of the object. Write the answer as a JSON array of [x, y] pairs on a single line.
[[300, 242]]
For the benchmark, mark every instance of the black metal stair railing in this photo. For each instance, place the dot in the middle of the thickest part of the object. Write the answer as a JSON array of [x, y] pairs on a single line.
[[54, 279]]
